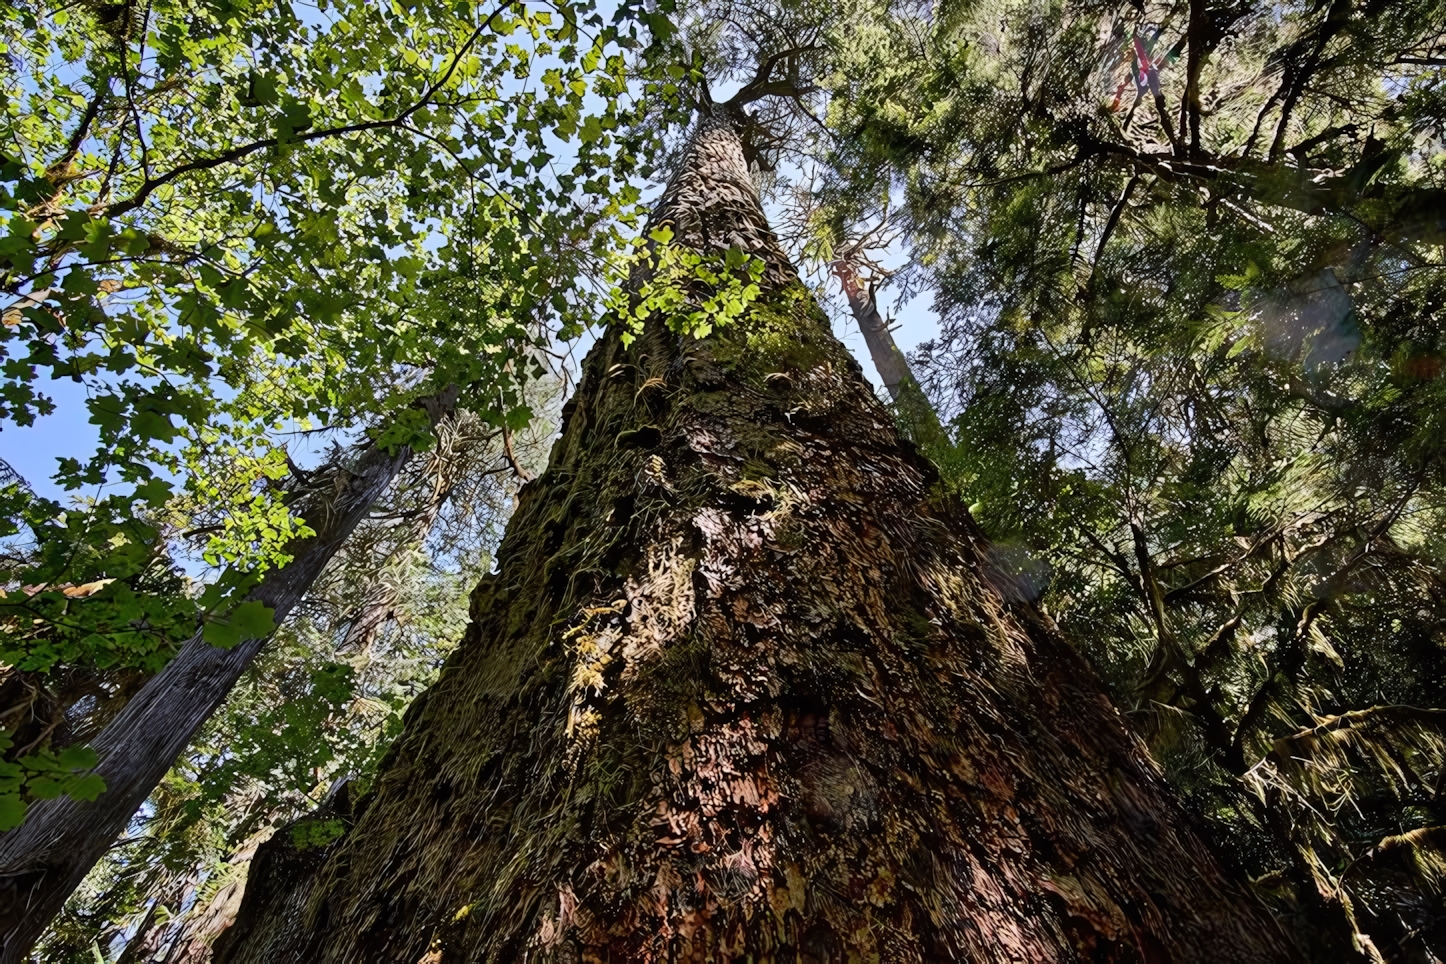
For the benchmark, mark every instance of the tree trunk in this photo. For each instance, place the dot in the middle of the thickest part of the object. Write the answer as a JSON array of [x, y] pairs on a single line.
[[891, 364], [743, 689], [915, 413], [44, 859]]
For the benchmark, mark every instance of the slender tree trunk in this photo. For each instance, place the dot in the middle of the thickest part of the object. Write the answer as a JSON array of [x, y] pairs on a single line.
[[190, 937], [892, 366], [741, 690], [446, 465], [197, 931], [45, 858], [912, 408]]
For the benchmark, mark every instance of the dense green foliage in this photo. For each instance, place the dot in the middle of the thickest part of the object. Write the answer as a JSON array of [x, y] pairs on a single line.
[[1187, 260], [230, 222], [316, 713]]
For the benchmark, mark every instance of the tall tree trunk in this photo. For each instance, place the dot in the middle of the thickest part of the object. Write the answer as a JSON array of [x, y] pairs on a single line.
[[44, 859], [742, 690], [892, 366], [915, 412]]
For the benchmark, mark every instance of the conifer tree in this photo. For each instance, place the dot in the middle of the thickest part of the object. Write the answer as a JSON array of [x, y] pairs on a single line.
[[744, 687], [1187, 264]]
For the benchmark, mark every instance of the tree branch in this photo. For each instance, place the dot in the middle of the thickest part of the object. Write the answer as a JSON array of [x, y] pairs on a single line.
[[762, 85], [237, 153], [522, 473], [1110, 224], [1354, 717], [82, 129], [1195, 59], [1298, 76], [1410, 212], [1294, 655]]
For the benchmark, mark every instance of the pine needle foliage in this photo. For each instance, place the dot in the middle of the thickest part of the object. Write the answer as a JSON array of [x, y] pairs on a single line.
[[1188, 263]]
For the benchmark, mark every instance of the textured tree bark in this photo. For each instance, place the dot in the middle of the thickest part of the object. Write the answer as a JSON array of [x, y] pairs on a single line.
[[743, 689], [44, 859]]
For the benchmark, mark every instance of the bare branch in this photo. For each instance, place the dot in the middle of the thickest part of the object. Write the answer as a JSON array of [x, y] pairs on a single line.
[[762, 85]]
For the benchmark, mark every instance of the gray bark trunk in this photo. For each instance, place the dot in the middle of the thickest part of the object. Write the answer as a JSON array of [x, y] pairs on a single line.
[[912, 408], [44, 859], [892, 366]]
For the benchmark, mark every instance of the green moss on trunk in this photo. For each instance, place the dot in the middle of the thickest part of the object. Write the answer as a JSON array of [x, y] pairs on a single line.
[[744, 689]]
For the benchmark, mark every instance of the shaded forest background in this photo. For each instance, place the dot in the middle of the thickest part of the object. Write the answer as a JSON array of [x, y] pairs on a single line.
[[1186, 261]]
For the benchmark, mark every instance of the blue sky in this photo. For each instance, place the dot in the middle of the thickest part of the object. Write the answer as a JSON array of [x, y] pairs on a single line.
[[32, 450]]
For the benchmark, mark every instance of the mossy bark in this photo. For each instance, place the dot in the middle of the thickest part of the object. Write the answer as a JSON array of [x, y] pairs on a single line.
[[744, 689]]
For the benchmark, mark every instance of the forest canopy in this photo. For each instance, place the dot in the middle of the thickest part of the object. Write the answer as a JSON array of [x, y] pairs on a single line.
[[320, 275]]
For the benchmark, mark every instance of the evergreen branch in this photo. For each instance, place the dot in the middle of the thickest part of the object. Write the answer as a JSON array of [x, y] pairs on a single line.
[[1392, 711], [1297, 78], [1410, 211]]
